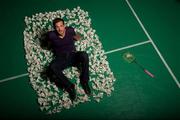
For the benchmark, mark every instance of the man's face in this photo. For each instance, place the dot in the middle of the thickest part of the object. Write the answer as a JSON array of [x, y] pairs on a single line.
[[60, 27]]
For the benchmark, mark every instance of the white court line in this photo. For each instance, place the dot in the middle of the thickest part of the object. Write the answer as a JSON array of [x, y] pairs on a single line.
[[129, 46], [13, 77], [155, 47], [108, 52]]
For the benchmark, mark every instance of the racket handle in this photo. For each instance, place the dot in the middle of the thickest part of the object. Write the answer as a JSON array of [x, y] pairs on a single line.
[[147, 72]]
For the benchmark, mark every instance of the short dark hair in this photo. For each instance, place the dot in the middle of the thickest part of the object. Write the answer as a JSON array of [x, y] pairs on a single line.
[[56, 20]]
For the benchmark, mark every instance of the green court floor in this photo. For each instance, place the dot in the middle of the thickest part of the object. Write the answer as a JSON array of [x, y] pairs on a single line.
[[136, 95]]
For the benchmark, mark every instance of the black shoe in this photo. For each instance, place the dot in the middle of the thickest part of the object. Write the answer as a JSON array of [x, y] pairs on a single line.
[[72, 93], [86, 88]]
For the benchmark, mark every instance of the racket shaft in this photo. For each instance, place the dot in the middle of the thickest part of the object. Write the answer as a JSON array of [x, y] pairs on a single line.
[[147, 72]]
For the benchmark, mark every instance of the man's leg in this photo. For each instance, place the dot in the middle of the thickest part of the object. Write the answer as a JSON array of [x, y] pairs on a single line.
[[57, 67], [82, 61]]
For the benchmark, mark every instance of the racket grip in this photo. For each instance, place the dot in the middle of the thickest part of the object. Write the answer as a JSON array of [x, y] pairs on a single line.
[[147, 72]]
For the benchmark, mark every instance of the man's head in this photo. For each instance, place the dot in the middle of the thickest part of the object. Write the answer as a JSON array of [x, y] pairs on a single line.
[[59, 26]]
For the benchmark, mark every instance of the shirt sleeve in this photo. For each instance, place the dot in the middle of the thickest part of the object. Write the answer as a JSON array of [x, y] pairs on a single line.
[[71, 31]]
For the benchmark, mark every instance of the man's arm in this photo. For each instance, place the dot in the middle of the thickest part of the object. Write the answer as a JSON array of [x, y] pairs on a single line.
[[45, 42], [77, 37]]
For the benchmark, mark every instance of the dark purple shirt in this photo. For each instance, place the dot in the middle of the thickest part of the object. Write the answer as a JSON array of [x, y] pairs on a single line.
[[62, 45]]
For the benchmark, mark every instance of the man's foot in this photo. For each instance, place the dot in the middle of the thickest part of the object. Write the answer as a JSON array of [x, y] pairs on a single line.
[[86, 88], [72, 93]]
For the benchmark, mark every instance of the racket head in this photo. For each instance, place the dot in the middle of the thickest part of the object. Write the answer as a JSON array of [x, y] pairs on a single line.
[[129, 57]]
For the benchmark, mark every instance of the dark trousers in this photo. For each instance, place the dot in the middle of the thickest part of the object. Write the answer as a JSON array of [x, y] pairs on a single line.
[[77, 59]]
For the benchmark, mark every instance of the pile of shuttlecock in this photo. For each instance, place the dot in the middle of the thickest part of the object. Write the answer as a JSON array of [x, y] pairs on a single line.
[[50, 98]]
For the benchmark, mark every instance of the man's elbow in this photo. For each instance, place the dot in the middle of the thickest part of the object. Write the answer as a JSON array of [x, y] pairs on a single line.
[[77, 37]]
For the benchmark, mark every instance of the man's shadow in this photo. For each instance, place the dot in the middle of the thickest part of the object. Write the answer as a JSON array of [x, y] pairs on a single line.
[[47, 73]]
